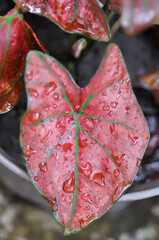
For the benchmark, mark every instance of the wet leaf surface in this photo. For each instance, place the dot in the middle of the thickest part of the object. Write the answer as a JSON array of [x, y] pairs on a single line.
[[82, 146], [82, 17], [17, 39], [115, 5]]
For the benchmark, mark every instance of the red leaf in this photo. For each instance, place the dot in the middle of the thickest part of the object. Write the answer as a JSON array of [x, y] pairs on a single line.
[[114, 5], [139, 14], [17, 39], [95, 137], [8, 100], [83, 16]]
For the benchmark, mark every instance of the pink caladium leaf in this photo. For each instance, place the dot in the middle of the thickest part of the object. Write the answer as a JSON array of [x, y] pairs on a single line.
[[82, 146], [16, 40], [82, 17], [139, 15]]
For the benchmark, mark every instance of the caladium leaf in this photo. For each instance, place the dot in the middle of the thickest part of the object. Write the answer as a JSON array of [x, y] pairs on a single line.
[[16, 40], [83, 16], [82, 146], [8, 100], [137, 15], [114, 5]]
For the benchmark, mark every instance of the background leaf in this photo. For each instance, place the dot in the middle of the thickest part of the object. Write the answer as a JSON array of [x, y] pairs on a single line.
[[17, 39], [82, 17], [116, 5], [138, 15], [82, 146]]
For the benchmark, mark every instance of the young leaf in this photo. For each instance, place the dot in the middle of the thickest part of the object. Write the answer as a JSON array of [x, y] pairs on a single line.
[[139, 14], [82, 17], [17, 39], [82, 146]]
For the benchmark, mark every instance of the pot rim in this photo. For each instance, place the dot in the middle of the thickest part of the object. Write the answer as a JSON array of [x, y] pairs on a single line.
[[20, 183]]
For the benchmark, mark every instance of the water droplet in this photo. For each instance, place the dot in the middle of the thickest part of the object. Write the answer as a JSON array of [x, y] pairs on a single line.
[[47, 109], [116, 173], [86, 197], [113, 104], [29, 75], [49, 87], [119, 187], [36, 178], [33, 92], [35, 117], [115, 87], [80, 189], [89, 123], [71, 120], [56, 96], [127, 108], [86, 170], [117, 70], [28, 151], [63, 197], [54, 106], [110, 113], [53, 204], [47, 136], [112, 128], [69, 185], [123, 157], [126, 167], [43, 167], [58, 146], [138, 162], [107, 170], [87, 220], [83, 143], [134, 139], [99, 179], [105, 108], [77, 108], [104, 93], [101, 101], [67, 147]]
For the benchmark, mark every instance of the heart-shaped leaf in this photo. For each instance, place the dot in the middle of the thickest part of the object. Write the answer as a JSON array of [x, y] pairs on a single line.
[[82, 146], [82, 17], [16, 40], [140, 14]]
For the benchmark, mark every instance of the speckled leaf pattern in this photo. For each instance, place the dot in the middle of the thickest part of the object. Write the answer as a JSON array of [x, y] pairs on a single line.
[[82, 146], [139, 14], [16, 40], [82, 16]]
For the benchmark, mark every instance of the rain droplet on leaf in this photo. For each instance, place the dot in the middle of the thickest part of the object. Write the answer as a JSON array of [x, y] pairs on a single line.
[[99, 179], [69, 185]]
